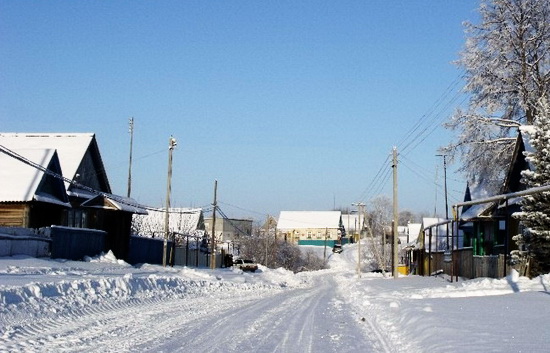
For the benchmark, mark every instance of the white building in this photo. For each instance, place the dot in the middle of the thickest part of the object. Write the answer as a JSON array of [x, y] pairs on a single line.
[[310, 227]]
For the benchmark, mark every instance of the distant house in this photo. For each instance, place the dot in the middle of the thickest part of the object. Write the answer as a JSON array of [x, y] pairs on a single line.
[[30, 197], [351, 223], [434, 234], [90, 201], [229, 229], [270, 224], [182, 223], [310, 227]]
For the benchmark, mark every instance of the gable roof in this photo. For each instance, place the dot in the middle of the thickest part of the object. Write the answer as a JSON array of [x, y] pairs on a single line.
[[113, 202], [309, 219], [20, 182], [72, 148]]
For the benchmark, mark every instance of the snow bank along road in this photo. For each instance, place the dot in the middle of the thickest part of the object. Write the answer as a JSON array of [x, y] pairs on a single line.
[[118, 309], [107, 306]]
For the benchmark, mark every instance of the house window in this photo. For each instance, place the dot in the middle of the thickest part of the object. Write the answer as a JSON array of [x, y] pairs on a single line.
[[318, 235], [77, 219], [309, 235]]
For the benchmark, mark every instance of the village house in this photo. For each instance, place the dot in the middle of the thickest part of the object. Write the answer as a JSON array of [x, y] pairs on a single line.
[[30, 197], [481, 239], [75, 194], [229, 229], [310, 227]]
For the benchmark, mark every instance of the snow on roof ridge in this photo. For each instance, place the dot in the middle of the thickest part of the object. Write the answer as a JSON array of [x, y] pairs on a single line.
[[308, 219]]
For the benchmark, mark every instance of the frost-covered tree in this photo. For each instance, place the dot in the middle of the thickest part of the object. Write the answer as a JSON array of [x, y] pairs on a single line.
[[279, 254], [535, 208], [507, 69], [379, 214]]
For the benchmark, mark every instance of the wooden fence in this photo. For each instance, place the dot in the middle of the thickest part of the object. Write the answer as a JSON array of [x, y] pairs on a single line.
[[464, 264]]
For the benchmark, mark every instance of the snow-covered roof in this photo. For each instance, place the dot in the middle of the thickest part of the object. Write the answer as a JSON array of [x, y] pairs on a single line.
[[309, 219], [439, 233], [476, 211], [350, 222], [71, 148], [20, 182], [180, 220], [414, 231], [114, 202]]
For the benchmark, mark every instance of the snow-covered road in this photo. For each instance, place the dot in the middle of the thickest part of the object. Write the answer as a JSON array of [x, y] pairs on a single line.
[[310, 319], [301, 320], [104, 305], [50, 306]]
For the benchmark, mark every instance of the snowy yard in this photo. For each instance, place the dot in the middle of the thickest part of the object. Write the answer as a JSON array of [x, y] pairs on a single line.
[[103, 305]]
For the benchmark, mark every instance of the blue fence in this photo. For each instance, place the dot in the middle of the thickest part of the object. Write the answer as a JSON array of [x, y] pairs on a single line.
[[76, 243]]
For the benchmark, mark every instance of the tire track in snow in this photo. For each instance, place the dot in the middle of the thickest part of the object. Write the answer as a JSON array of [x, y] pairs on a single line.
[[103, 327], [300, 320]]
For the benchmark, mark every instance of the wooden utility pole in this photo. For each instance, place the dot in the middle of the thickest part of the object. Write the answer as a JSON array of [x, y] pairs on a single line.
[[213, 240], [266, 238], [395, 215], [171, 145], [130, 162], [446, 199], [325, 252], [360, 210]]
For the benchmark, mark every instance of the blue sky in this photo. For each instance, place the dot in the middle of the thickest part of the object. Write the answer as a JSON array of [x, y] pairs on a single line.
[[290, 105]]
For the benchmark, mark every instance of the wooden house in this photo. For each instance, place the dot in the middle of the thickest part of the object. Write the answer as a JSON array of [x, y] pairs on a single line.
[[229, 230], [92, 205], [488, 227], [29, 196]]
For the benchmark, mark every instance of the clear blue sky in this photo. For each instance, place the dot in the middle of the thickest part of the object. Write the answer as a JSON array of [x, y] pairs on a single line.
[[290, 105]]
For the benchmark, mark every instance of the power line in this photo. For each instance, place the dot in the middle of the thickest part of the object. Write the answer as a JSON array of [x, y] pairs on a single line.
[[418, 124], [119, 199], [376, 180]]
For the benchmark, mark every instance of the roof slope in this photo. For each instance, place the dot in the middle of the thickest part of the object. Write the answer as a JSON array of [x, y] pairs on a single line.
[[20, 182], [309, 219], [71, 149]]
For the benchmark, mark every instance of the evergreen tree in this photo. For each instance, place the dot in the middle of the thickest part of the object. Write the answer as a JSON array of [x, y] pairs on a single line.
[[535, 215], [507, 69]]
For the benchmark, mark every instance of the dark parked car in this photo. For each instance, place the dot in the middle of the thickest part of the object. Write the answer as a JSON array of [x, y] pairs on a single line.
[[337, 248]]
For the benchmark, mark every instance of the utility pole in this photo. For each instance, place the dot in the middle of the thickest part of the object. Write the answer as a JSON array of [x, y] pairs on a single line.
[[266, 238], [325, 252], [130, 163], [395, 214], [213, 240], [446, 201], [171, 145], [445, 185], [360, 211]]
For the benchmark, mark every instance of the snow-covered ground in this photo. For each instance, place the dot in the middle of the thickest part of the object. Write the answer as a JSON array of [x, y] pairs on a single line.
[[105, 305]]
